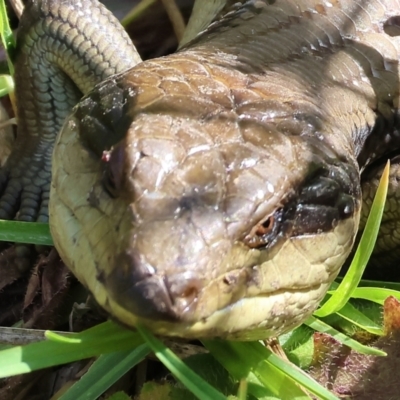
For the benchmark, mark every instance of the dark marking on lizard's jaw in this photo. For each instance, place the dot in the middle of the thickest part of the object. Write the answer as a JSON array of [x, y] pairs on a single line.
[[103, 116], [379, 141], [327, 196]]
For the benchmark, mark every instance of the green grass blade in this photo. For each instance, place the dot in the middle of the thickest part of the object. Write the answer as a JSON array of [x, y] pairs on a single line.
[[343, 293], [178, 368], [357, 318], [104, 338], [136, 12], [242, 359], [377, 295], [242, 391], [25, 232], [321, 326], [208, 368], [6, 85], [380, 284], [104, 372], [300, 377], [7, 36], [242, 363]]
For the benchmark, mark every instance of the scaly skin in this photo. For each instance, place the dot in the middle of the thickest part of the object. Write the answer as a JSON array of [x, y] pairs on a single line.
[[61, 55], [216, 192]]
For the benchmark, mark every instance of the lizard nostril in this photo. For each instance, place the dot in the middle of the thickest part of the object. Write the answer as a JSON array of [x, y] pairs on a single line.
[[184, 289]]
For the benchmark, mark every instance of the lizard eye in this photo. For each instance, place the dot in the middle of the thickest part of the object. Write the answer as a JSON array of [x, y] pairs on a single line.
[[264, 227], [264, 233]]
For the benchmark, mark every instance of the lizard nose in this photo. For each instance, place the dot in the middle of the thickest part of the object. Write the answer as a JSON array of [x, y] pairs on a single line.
[[136, 287]]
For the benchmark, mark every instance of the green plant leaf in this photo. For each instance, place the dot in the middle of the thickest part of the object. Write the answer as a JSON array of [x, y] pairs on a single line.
[[25, 232], [104, 338], [254, 361], [7, 36], [119, 396], [178, 368], [364, 250], [321, 326], [136, 12], [104, 372], [6, 85], [358, 318], [377, 295]]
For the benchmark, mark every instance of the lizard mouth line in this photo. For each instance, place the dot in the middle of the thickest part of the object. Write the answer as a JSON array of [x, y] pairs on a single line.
[[228, 321]]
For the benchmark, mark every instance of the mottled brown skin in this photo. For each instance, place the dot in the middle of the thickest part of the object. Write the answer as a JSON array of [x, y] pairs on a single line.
[[216, 192]]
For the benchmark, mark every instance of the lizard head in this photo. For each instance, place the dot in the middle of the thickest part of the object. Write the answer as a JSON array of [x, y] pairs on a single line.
[[195, 215]]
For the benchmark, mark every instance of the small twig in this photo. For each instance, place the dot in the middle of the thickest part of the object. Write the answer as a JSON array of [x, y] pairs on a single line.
[[175, 17], [137, 11], [17, 6], [22, 336], [8, 122], [274, 345]]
